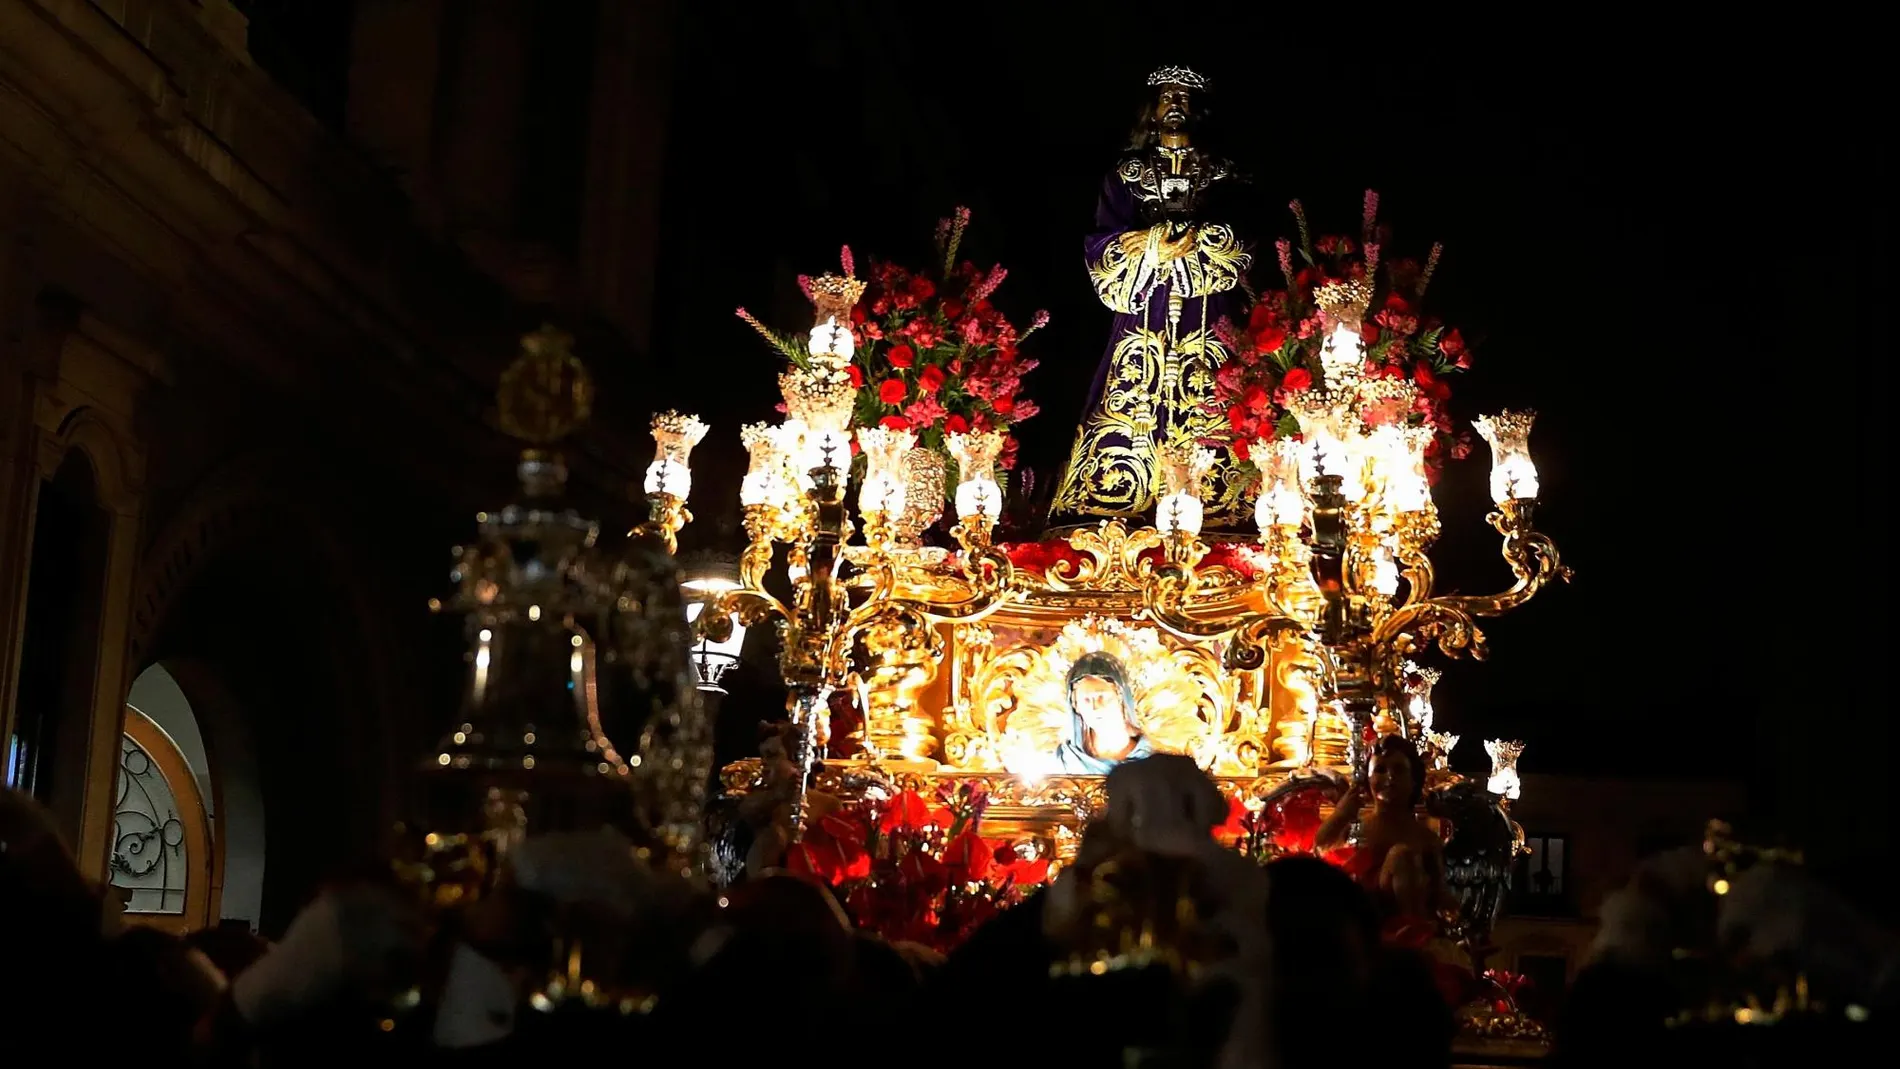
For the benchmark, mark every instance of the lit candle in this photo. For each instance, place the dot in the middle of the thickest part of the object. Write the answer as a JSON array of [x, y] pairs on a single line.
[[1513, 473]]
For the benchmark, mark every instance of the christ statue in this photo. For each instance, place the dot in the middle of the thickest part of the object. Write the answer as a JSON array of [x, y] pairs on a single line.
[[1165, 258]]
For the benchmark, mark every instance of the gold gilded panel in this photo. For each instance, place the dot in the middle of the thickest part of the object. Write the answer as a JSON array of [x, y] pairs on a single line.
[[1008, 695]]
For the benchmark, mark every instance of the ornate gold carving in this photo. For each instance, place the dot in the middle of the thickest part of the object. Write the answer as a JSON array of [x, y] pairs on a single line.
[[924, 473], [546, 393], [1452, 620], [835, 295], [818, 397], [1146, 406], [1013, 711], [1344, 301], [1114, 558], [898, 651]]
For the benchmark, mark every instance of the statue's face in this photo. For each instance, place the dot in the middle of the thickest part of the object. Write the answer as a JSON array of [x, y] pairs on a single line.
[[1391, 779], [1099, 703], [1174, 107]]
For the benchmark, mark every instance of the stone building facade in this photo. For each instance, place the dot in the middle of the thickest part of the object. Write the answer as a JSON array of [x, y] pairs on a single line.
[[251, 319]]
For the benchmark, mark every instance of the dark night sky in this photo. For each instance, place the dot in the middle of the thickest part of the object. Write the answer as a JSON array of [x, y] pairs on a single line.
[[1636, 232]]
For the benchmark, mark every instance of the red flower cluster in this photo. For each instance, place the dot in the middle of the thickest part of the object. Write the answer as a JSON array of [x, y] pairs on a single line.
[[1039, 558], [1276, 354], [1287, 825], [934, 354], [916, 869]]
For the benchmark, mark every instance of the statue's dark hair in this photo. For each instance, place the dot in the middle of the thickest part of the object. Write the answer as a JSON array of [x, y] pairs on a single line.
[[1400, 746], [1147, 129]]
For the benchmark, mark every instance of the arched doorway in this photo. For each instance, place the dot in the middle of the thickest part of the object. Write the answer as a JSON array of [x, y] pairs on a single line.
[[178, 707], [164, 862]]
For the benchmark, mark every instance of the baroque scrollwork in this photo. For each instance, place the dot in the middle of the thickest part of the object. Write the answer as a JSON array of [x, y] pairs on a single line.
[[1451, 620], [1113, 462]]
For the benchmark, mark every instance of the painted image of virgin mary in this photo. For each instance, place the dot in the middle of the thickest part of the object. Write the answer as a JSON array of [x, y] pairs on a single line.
[[1103, 732]]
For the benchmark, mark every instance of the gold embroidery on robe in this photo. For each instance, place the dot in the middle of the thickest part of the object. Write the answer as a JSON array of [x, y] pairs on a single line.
[[1112, 466], [1131, 267]]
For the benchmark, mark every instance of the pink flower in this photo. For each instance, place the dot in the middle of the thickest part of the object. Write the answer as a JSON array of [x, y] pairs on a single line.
[[924, 412], [983, 289]]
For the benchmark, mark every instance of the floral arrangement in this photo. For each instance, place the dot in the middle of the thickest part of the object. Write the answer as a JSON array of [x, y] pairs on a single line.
[[932, 353], [915, 869], [1276, 354]]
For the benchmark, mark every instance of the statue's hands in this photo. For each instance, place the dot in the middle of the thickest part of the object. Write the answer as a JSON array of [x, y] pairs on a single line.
[[1179, 245]]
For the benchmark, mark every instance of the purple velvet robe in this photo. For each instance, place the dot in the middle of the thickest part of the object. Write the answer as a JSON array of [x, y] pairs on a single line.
[[1156, 378]]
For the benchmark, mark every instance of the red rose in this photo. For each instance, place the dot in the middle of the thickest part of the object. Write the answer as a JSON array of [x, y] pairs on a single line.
[[930, 380], [1003, 405], [1296, 380], [857, 314], [1269, 339], [1369, 333], [895, 423], [892, 391], [956, 425], [1255, 398], [1428, 383], [857, 375], [1240, 450], [901, 356], [952, 308]]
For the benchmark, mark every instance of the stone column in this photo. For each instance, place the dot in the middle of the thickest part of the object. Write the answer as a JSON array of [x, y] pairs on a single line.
[[91, 407], [19, 471]]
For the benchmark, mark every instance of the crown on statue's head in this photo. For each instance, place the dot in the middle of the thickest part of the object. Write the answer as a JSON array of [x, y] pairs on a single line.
[[1186, 77]]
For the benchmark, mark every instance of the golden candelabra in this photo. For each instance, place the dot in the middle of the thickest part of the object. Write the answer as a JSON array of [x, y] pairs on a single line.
[[1346, 521], [848, 617]]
